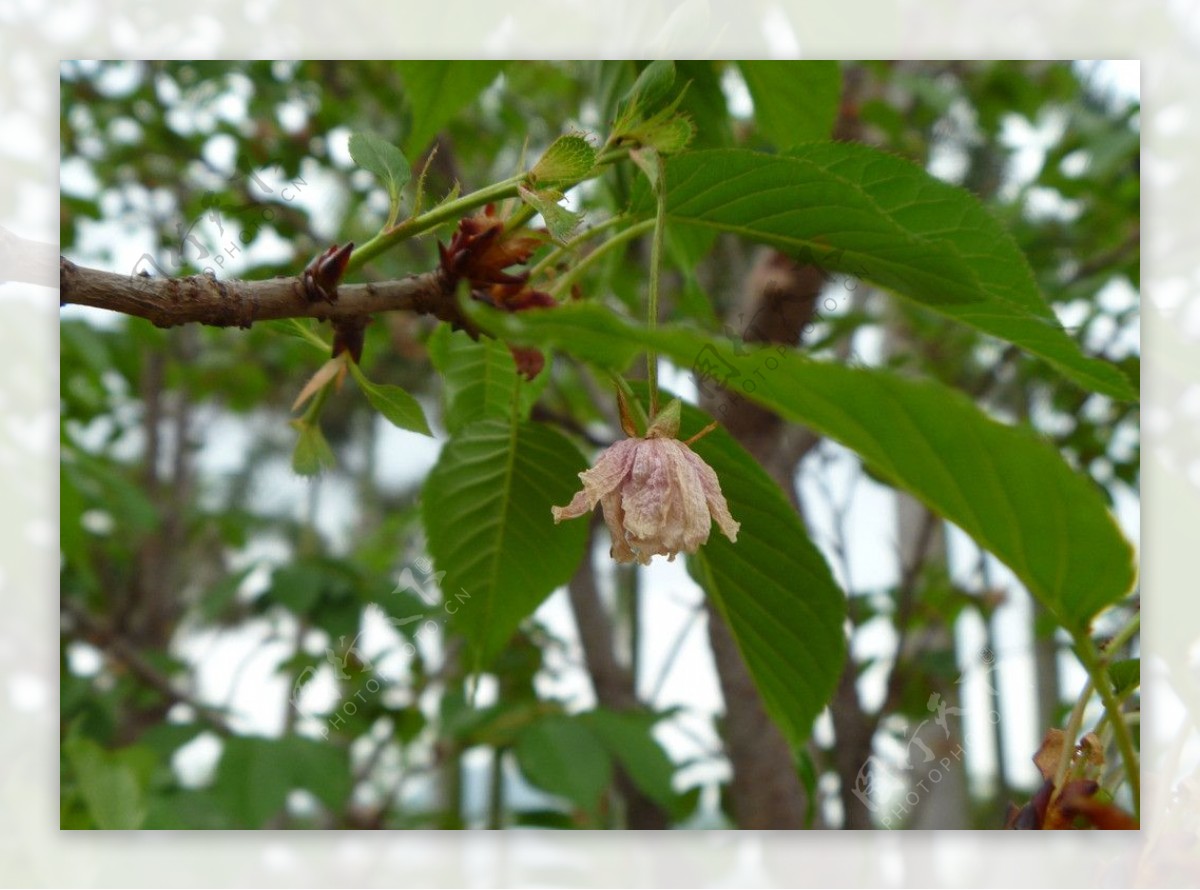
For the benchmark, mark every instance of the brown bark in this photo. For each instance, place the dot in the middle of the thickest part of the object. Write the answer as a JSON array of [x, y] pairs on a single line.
[[207, 300]]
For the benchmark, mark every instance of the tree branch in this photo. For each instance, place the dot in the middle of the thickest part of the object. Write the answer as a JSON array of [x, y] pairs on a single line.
[[92, 629], [203, 299]]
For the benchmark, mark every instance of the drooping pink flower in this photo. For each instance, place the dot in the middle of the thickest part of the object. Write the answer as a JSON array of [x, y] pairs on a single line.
[[657, 495]]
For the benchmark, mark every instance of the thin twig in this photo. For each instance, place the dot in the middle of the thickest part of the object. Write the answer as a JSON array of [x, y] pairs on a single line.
[[96, 632]]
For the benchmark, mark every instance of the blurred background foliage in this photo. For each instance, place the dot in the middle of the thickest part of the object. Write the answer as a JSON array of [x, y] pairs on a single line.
[[195, 564]]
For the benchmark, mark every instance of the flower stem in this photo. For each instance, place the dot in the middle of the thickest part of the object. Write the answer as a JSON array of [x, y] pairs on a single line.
[[559, 252], [564, 283], [1074, 724], [435, 217], [656, 248], [1096, 665], [451, 210]]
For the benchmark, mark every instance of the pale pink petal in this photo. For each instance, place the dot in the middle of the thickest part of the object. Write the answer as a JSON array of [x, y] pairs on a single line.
[[614, 517], [612, 466], [651, 500], [713, 496], [658, 498]]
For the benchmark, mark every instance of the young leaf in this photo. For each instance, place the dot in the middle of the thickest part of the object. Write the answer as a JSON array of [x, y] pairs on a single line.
[[1002, 485], [323, 375], [486, 508], [569, 159], [794, 102], [312, 454], [650, 90], [387, 162], [560, 222], [397, 406], [853, 209]]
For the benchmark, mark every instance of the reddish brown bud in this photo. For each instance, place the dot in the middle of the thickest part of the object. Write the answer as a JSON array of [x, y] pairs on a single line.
[[320, 278]]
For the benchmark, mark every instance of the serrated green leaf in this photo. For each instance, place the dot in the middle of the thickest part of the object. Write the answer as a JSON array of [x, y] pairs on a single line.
[[568, 159], [437, 90], [794, 102], [560, 222], [773, 587], [1004, 486], [486, 507], [312, 454], [395, 404], [561, 755], [479, 379], [667, 135], [853, 209], [387, 162]]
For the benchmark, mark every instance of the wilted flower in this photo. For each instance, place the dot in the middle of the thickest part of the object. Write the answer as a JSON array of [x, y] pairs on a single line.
[[657, 495]]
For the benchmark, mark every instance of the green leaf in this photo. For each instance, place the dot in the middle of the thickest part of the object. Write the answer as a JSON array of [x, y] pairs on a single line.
[[630, 740], [1126, 674], [560, 222], [295, 587], [568, 159], [794, 102], [215, 600], [400, 408], [387, 162], [773, 587], [479, 378], [256, 774], [436, 91], [312, 454], [109, 786], [852, 209], [486, 507], [705, 103], [650, 90], [252, 780], [561, 755], [318, 767], [1004, 486]]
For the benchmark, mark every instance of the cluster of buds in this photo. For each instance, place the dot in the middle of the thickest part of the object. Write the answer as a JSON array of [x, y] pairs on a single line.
[[480, 253]]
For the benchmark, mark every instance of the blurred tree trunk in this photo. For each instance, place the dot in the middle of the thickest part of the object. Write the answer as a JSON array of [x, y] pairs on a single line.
[[147, 609], [777, 301]]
